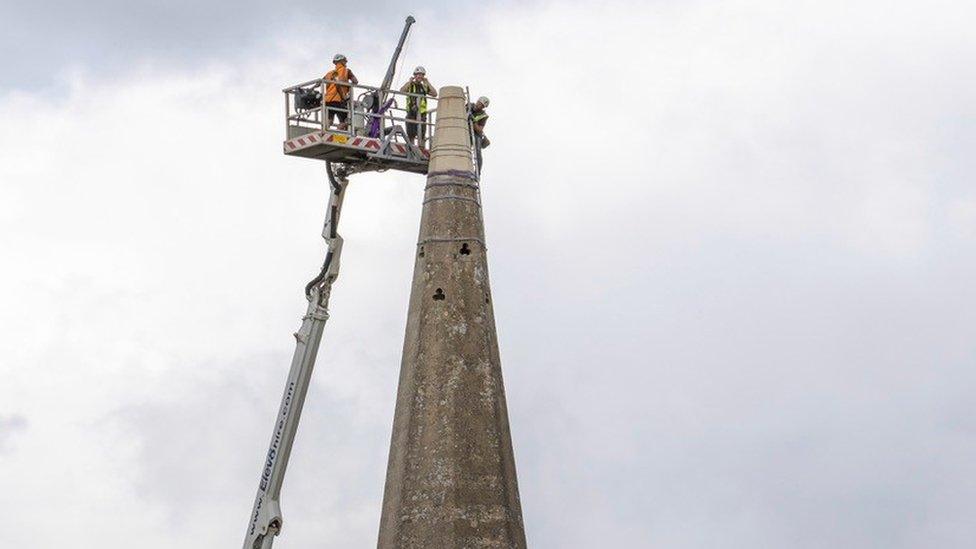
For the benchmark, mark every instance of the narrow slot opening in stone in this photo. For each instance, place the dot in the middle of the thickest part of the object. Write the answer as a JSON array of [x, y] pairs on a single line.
[[439, 295], [465, 250]]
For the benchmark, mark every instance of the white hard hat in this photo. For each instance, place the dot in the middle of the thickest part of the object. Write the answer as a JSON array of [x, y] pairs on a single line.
[[338, 57], [420, 69], [483, 100]]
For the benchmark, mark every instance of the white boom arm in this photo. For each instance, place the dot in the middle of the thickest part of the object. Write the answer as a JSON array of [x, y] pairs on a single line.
[[266, 521]]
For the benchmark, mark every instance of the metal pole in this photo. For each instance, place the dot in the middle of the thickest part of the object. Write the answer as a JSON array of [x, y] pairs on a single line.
[[388, 79]]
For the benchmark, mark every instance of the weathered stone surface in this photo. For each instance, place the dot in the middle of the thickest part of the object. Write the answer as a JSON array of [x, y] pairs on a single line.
[[451, 476]]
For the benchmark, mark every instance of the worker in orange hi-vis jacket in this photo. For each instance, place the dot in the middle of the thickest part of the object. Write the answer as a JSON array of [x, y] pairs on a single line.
[[336, 95]]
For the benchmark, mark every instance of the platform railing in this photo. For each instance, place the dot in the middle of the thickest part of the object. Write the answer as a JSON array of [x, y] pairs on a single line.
[[363, 117]]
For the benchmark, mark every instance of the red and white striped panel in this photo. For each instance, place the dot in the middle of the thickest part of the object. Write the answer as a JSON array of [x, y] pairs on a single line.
[[342, 140], [357, 142], [302, 142]]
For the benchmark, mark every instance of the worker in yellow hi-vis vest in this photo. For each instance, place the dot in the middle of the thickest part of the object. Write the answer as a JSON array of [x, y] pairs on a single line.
[[336, 98], [417, 106], [479, 117]]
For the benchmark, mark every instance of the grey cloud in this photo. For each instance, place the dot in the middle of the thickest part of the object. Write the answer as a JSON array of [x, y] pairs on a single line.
[[108, 37], [9, 426], [193, 452]]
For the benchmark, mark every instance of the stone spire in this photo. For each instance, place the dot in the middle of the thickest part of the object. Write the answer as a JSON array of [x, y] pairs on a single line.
[[450, 482]]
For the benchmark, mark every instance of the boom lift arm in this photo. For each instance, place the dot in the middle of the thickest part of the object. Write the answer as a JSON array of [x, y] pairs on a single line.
[[266, 520]]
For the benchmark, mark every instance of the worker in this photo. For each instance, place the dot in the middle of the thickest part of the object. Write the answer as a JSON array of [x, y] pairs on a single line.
[[336, 98], [479, 118], [417, 106]]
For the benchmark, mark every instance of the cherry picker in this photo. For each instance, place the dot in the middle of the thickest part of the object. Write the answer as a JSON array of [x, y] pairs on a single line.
[[373, 140]]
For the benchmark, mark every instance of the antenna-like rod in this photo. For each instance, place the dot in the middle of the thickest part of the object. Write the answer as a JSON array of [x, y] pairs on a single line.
[[388, 79]]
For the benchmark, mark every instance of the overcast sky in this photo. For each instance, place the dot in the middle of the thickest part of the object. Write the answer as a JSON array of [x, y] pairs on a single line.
[[732, 247]]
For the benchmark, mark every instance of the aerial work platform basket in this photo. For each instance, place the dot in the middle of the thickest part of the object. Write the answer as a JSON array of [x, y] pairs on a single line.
[[375, 135]]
